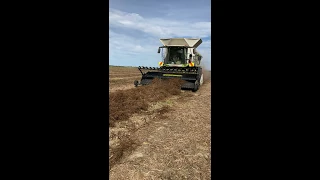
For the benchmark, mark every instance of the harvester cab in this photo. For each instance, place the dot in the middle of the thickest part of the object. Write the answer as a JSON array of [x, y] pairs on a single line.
[[180, 59]]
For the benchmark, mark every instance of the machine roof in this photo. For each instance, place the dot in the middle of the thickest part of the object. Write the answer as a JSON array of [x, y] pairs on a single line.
[[190, 42]]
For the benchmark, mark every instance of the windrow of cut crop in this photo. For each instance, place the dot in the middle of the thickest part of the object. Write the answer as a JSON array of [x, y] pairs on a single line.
[[122, 104]]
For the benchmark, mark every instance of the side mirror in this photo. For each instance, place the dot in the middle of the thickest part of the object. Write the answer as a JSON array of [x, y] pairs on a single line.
[[158, 50], [190, 56]]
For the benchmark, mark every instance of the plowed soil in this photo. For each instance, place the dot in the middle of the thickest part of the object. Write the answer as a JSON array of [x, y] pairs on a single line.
[[122, 78], [160, 132]]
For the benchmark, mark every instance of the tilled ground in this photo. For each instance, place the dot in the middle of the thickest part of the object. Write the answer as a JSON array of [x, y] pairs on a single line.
[[170, 139], [122, 78]]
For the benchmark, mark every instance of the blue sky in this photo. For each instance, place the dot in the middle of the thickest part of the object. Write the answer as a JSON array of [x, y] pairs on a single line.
[[135, 27]]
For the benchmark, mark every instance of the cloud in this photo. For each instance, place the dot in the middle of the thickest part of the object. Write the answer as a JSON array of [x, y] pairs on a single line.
[[134, 39], [159, 27], [191, 10]]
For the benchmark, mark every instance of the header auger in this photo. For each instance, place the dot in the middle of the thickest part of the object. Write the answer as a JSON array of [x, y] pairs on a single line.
[[179, 60]]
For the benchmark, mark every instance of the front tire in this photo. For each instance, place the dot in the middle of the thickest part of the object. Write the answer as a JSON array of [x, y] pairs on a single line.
[[136, 83], [196, 86]]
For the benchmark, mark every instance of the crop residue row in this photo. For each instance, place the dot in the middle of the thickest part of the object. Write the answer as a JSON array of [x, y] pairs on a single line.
[[127, 102]]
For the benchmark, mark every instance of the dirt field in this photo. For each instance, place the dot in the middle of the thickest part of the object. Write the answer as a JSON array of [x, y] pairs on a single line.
[[122, 78], [157, 131]]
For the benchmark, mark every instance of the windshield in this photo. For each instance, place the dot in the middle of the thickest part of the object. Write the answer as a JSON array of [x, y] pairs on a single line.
[[176, 55]]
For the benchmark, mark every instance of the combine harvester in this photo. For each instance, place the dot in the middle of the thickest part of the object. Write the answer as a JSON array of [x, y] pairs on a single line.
[[179, 60]]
